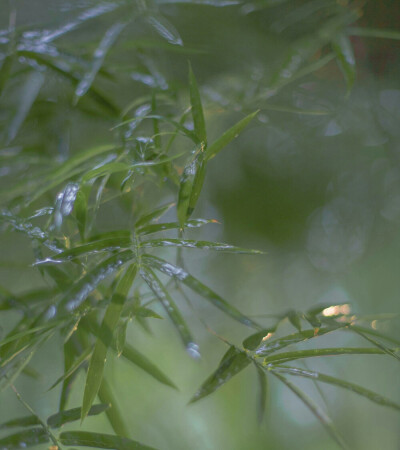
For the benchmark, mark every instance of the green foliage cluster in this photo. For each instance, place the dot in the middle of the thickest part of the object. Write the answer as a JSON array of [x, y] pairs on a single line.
[[100, 281]]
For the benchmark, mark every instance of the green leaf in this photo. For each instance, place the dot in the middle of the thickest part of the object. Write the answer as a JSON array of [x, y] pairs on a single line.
[[113, 413], [157, 227], [89, 282], [383, 33], [120, 335], [89, 439], [197, 108], [254, 340], [23, 439], [81, 209], [110, 320], [228, 136], [273, 345], [263, 393], [198, 287], [153, 215], [377, 344], [202, 245], [141, 361], [318, 413], [85, 355], [294, 319], [300, 354], [26, 421], [316, 376], [100, 53], [234, 363], [345, 58], [63, 417], [187, 184], [171, 309]]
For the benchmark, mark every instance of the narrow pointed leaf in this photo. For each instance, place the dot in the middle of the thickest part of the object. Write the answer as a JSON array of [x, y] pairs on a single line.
[[157, 227], [202, 245], [228, 136], [316, 376], [262, 394], [141, 361], [26, 421], [186, 187], [70, 415], [110, 320], [113, 413], [377, 344], [99, 55], [315, 409], [383, 33], [89, 282], [165, 29], [88, 439], [274, 345], [254, 340], [300, 354], [23, 439], [171, 309], [75, 366], [197, 108], [153, 215], [345, 58], [197, 286], [229, 367]]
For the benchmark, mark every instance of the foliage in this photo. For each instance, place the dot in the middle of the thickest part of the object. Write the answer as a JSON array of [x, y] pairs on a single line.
[[99, 281]]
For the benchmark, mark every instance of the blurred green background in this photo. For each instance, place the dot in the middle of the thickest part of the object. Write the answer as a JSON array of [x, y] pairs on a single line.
[[314, 182]]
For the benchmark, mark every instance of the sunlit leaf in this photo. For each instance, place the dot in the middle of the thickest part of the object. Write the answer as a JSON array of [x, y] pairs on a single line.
[[165, 29], [254, 340], [89, 439], [272, 345], [229, 367], [110, 320]]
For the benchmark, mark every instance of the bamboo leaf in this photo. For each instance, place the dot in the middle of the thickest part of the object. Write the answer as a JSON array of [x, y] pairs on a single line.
[[173, 312], [113, 414], [187, 183], [157, 227], [63, 417], [141, 361], [254, 340], [89, 439], [300, 354], [23, 439], [370, 395], [84, 356], [198, 287], [345, 58], [383, 33], [230, 366], [263, 392], [26, 421], [379, 345], [228, 136], [318, 413], [202, 245], [197, 108], [110, 320], [273, 345], [89, 282], [153, 215]]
